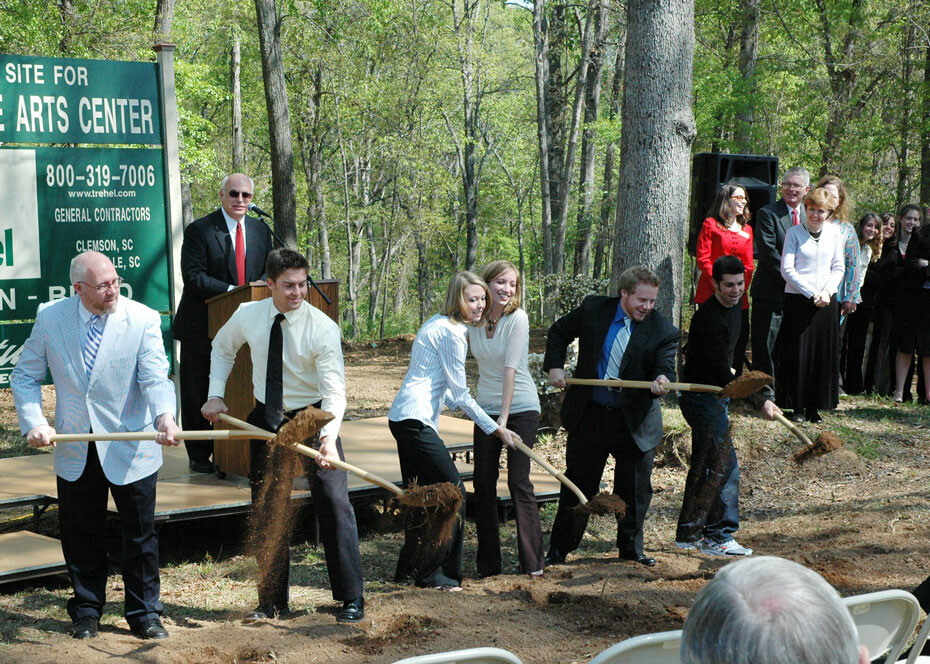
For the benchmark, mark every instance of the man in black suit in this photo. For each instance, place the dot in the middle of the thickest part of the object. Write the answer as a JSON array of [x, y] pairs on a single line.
[[225, 249], [768, 288], [619, 337]]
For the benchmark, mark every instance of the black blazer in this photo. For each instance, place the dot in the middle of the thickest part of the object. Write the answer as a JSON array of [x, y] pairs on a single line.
[[649, 353], [769, 228], [208, 267]]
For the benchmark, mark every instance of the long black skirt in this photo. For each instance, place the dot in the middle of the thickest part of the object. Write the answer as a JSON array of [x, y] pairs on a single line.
[[806, 369]]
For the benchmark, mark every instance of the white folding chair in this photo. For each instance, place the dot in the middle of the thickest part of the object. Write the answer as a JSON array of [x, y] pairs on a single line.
[[915, 657], [659, 648], [885, 621], [473, 655]]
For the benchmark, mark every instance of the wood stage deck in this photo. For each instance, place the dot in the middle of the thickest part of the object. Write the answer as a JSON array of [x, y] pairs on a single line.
[[181, 494]]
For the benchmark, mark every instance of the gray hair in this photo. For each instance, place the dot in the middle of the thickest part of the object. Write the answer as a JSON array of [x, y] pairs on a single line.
[[251, 181], [768, 610], [78, 270], [800, 171]]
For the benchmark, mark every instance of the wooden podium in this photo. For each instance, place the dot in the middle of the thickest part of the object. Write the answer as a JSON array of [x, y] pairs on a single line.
[[231, 457]]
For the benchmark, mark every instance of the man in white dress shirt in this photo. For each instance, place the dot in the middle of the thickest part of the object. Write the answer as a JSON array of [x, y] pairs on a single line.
[[310, 372]]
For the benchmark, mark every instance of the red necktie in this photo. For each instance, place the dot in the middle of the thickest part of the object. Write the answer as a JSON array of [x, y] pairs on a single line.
[[794, 217], [240, 255]]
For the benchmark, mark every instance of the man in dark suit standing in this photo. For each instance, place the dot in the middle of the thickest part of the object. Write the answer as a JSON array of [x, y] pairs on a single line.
[[619, 337], [225, 249], [768, 288]]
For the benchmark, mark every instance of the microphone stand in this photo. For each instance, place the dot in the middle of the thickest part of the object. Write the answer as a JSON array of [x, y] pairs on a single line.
[[282, 244]]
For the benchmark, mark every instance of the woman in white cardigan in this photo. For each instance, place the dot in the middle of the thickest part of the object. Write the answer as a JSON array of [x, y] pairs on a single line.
[[506, 391], [806, 371]]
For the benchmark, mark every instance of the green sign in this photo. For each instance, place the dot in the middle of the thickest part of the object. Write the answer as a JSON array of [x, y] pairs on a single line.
[[14, 335], [56, 100], [62, 201]]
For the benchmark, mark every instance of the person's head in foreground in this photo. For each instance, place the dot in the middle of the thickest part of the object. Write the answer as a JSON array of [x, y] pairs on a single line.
[[767, 610]]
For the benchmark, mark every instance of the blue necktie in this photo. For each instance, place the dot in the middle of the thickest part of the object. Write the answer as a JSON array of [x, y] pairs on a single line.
[[92, 344], [617, 350]]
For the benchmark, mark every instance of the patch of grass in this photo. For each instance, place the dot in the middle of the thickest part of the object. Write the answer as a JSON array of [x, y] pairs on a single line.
[[12, 444]]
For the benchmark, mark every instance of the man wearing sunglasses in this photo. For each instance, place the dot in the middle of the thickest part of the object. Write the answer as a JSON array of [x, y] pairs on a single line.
[[225, 249]]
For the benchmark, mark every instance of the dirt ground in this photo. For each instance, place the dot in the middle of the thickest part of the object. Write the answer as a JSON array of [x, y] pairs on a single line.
[[859, 516]]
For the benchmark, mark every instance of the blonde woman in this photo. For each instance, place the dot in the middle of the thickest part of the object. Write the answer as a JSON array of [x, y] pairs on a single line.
[[436, 375], [506, 391]]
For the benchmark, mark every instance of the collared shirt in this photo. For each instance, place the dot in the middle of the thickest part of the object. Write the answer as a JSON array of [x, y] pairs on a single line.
[[231, 225], [437, 374], [85, 317], [313, 368], [603, 395]]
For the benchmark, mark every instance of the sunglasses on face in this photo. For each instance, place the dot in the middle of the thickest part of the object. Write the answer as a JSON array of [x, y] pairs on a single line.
[[245, 195]]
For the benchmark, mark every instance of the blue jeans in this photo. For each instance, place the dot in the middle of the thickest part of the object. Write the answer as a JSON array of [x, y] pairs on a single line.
[[711, 504]]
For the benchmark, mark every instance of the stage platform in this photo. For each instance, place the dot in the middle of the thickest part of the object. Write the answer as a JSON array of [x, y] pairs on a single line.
[[182, 495]]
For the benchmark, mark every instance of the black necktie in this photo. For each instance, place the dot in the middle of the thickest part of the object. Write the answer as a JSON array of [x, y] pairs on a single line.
[[274, 383]]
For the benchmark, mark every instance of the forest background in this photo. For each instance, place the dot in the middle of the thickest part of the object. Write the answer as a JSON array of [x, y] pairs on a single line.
[[428, 136]]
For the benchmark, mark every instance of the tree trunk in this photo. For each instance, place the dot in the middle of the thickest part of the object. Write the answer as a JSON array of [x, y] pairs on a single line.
[[67, 16], [556, 106], [907, 69], [164, 17], [592, 104], [543, 128], [658, 128], [187, 208], [238, 151], [748, 55], [311, 141], [607, 190], [925, 134], [284, 188]]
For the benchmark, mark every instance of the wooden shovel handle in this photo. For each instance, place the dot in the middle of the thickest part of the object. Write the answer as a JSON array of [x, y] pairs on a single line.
[[642, 384], [349, 468], [793, 429], [520, 445], [150, 435], [313, 454]]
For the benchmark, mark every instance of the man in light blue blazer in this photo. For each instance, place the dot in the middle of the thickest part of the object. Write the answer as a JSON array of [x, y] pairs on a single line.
[[108, 363]]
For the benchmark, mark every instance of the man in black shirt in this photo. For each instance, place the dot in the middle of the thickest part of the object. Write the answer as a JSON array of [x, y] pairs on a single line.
[[710, 510]]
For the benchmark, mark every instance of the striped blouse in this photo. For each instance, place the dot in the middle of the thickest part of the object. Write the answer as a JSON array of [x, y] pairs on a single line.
[[436, 375]]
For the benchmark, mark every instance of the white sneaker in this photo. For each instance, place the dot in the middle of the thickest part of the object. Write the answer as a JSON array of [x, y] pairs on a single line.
[[728, 548], [689, 546]]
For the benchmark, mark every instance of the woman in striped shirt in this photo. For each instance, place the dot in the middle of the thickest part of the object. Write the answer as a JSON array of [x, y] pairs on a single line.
[[436, 376]]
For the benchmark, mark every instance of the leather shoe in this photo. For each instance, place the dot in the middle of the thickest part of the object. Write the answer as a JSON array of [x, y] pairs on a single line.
[[640, 558], [353, 610], [555, 557], [263, 613], [201, 466], [150, 629], [84, 628]]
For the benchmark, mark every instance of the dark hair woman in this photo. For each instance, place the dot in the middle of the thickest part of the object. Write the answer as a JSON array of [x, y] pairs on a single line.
[[726, 232]]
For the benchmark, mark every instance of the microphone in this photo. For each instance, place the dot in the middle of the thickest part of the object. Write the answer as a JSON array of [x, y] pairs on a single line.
[[257, 210]]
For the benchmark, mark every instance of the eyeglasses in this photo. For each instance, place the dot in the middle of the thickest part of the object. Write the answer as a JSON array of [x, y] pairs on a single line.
[[103, 288], [792, 185], [815, 212], [741, 199], [245, 195]]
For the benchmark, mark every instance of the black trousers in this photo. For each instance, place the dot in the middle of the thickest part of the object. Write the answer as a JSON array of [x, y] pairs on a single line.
[[194, 374], [766, 321], [603, 432], [424, 459], [488, 449], [82, 515], [338, 529]]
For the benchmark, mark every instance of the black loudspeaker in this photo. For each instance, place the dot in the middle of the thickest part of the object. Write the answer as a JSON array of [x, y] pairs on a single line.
[[757, 174]]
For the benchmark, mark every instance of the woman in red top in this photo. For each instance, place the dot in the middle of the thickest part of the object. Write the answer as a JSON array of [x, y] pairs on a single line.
[[726, 232]]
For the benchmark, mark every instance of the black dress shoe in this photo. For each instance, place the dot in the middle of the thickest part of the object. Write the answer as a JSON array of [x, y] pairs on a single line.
[[640, 558], [200, 466], [797, 416], [150, 629], [555, 557], [814, 417], [353, 610], [264, 613], [84, 628]]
